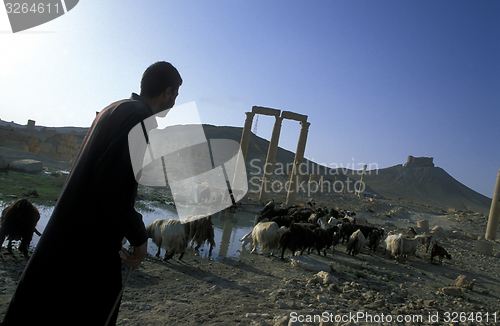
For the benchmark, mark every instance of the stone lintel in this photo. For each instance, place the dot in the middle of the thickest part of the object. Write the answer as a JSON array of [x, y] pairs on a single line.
[[293, 116], [266, 111]]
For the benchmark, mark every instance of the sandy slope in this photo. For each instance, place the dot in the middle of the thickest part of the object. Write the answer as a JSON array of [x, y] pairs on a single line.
[[260, 290]]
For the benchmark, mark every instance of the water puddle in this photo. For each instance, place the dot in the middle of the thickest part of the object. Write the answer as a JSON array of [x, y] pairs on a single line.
[[229, 228]]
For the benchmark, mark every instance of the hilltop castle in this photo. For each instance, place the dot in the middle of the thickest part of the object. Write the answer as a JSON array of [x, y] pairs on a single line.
[[419, 162]]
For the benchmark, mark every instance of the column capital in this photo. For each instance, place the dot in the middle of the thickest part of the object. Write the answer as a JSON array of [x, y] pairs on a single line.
[[305, 124]]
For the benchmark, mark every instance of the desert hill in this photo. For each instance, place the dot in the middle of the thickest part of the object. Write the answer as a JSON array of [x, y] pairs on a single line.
[[418, 180]]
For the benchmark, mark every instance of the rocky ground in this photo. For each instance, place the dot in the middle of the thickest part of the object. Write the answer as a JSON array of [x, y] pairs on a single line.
[[315, 290]]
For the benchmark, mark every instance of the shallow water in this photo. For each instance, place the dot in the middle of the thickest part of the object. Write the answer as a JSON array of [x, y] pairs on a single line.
[[228, 227]]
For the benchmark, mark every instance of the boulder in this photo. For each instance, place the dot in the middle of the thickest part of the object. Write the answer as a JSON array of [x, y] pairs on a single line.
[[324, 277], [463, 282], [454, 291], [424, 224], [484, 247], [26, 165], [3, 163], [438, 232]]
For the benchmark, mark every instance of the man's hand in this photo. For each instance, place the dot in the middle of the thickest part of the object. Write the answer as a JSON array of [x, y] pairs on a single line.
[[137, 257]]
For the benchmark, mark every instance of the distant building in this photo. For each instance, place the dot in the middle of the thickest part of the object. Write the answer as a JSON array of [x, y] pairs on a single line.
[[419, 162]]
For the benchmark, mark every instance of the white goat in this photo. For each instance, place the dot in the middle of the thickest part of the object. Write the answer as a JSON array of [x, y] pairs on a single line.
[[356, 243], [266, 234], [408, 246], [246, 239], [391, 243], [170, 234]]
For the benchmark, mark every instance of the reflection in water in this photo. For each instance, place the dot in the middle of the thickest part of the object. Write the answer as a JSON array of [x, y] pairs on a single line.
[[229, 227]]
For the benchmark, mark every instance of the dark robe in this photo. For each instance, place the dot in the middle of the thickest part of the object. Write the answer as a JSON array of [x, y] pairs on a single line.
[[74, 274]]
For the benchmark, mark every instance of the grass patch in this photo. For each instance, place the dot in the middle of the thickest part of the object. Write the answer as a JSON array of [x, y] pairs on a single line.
[[16, 183]]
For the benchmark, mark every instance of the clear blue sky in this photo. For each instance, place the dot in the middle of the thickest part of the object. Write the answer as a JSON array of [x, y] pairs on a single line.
[[379, 80]]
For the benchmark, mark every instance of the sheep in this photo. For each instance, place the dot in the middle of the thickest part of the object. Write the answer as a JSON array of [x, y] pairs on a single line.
[[437, 250], [201, 229], [266, 234], [355, 243], [170, 234], [18, 222], [426, 240], [408, 246]]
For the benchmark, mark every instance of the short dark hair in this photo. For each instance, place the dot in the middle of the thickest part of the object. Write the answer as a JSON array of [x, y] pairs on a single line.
[[158, 77]]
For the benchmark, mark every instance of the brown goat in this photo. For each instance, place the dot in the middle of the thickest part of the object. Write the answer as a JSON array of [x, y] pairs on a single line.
[[437, 250], [18, 222], [201, 230]]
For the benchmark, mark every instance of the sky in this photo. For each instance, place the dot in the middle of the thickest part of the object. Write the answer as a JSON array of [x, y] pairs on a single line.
[[378, 80]]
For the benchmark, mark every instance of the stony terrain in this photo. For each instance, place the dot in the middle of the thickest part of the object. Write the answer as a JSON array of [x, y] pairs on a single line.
[[264, 290]]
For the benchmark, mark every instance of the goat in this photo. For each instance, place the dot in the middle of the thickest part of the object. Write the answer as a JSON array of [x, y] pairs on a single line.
[[408, 246], [246, 239], [347, 230], [437, 250], [170, 234], [329, 237], [426, 240], [18, 222], [374, 238], [391, 243], [201, 230], [298, 237], [267, 234], [355, 243], [282, 221]]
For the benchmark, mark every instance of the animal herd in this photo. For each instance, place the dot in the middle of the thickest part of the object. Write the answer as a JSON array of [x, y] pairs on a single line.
[[277, 228], [19, 220], [301, 228]]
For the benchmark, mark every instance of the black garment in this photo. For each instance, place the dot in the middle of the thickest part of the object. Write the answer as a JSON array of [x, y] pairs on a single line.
[[74, 274]]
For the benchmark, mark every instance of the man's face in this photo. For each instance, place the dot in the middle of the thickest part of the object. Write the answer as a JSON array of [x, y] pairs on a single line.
[[168, 100], [171, 95]]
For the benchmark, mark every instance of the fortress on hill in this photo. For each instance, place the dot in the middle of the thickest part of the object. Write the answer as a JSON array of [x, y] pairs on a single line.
[[419, 162]]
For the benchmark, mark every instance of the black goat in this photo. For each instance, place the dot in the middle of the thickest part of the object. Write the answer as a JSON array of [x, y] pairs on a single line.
[[18, 222]]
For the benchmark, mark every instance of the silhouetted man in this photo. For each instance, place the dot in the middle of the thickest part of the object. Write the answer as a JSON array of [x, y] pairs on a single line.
[[74, 274]]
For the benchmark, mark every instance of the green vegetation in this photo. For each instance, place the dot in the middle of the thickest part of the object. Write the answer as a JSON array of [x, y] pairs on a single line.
[[17, 184]]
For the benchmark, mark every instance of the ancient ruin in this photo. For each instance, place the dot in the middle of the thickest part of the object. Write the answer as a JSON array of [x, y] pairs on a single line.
[[47, 142], [419, 162], [295, 177]]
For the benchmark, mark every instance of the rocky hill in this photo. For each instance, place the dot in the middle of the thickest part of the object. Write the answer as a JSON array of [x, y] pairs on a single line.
[[418, 180]]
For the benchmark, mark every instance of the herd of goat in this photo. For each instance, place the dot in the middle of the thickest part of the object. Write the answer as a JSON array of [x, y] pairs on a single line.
[[297, 229], [301, 228]]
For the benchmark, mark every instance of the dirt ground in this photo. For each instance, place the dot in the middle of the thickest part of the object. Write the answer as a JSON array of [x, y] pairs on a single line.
[[255, 289]]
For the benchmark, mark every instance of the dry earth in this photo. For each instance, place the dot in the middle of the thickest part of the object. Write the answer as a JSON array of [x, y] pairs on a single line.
[[264, 290]]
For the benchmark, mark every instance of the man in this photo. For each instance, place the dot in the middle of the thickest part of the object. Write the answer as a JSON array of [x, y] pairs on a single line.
[[74, 274]]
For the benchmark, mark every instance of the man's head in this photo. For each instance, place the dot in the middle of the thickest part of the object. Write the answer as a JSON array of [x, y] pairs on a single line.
[[160, 85]]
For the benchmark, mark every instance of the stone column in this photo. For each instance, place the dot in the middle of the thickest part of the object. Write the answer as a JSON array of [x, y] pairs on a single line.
[[362, 179], [245, 135], [270, 160], [492, 228], [295, 178]]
